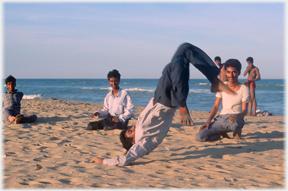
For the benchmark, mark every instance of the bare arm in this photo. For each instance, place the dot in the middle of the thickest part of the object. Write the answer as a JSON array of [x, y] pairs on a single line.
[[213, 112], [247, 70]]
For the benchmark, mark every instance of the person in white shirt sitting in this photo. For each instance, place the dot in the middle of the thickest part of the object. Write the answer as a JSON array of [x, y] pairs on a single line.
[[234, 108], [118, 107]]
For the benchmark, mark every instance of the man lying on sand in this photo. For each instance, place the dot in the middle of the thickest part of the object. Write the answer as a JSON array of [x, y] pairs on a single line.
[[118, 107], [234, 108], [171, 92]]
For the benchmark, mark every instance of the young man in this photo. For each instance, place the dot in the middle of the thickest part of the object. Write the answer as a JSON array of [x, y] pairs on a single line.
[[222, 73], [12, 105], [234, 108], [171, 92], [118, 107], [254, 75]]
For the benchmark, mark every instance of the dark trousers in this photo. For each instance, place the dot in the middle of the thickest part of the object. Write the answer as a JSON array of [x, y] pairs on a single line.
[[14, 112], [198, 58], [107, 124]]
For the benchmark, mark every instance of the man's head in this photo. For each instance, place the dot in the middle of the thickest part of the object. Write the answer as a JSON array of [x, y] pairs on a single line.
[[217, 60], [127, 137], [233, 69], [114, 79], [10, 83], [249, 60]]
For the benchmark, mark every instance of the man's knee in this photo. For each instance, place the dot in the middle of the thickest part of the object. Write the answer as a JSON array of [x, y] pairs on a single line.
[[199, 137]]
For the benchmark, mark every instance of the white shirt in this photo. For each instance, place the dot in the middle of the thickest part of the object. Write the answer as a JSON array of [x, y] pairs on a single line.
[[120, 106], [232, 104], [151, 128]]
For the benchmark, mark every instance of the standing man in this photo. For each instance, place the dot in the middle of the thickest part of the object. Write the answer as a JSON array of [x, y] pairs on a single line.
[[234, 108], [222, 73], [253, 75], [118, 107], [171, 92]]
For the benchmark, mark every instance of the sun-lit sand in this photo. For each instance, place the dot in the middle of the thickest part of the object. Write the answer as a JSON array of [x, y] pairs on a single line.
[[56, 150]]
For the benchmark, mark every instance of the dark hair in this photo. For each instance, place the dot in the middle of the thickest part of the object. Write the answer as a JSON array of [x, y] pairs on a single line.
[[217, 58], [233, 63], [126, 141], [10, 79], [250, 59], [114, 73]]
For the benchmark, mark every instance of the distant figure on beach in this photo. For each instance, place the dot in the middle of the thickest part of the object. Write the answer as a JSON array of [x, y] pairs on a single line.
[[234, 108], [171, 92], [118, 107], [12, 105], [253, 75], [222, 73]]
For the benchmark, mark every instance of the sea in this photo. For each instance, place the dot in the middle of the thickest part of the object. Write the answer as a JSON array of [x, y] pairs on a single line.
[[270, 93]]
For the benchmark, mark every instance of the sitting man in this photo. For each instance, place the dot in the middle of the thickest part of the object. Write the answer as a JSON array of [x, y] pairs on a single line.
[[234, 108], [12, 105], [118, 107], [171, 92]]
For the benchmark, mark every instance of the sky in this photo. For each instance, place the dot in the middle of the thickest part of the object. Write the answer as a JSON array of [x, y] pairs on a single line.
[[87, 40]]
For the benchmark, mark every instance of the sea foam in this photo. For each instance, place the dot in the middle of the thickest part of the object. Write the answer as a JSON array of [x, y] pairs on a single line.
[[32, 96]]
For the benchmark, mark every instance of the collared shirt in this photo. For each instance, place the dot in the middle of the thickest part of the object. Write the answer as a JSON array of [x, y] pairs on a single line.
[[12, 100], [120, 106], [151, 128]]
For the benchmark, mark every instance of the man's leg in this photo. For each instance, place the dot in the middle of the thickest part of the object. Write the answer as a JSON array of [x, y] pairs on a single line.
[[253, 100], [9, 115], [96, 125], [28, 118], [235, 127], [199, 59], [215, 130]]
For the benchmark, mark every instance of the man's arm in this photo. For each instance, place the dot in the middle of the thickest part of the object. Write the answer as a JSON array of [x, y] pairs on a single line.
[[129, 109], [144, 147], [247, 70], [104, 112], [213, 112]]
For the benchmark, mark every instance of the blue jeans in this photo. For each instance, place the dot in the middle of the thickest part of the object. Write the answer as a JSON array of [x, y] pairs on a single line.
[[220, 125]]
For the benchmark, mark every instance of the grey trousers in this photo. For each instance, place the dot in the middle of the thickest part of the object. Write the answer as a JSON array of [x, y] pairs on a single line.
[[14, 112], [220, 125]]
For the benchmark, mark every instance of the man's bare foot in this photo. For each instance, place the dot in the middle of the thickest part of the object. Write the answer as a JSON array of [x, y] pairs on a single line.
[[11, 118], [185, 118], [217, 85], [17, 119], [225, 135], [237, 136]]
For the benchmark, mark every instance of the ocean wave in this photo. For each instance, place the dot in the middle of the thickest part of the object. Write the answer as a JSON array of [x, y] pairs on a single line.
[[281, 85], [32, 96], [138, 89], [199, 91], [86, 88], [106, 88], [204, 84]]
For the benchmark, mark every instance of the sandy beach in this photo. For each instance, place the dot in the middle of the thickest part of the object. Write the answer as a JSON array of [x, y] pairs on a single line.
[[56, 150]]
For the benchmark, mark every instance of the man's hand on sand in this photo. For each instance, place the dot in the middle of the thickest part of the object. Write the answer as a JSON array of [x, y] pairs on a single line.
[[95, 114], [185, 118], [97, 160]]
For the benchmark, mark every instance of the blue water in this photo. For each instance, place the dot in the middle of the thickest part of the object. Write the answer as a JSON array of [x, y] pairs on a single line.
[[269, 93]]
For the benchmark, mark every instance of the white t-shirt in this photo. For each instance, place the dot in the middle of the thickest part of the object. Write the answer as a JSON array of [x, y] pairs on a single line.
[[232, 104]]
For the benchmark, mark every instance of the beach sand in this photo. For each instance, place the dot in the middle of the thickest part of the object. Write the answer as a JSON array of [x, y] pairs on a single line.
[[56, 150]]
